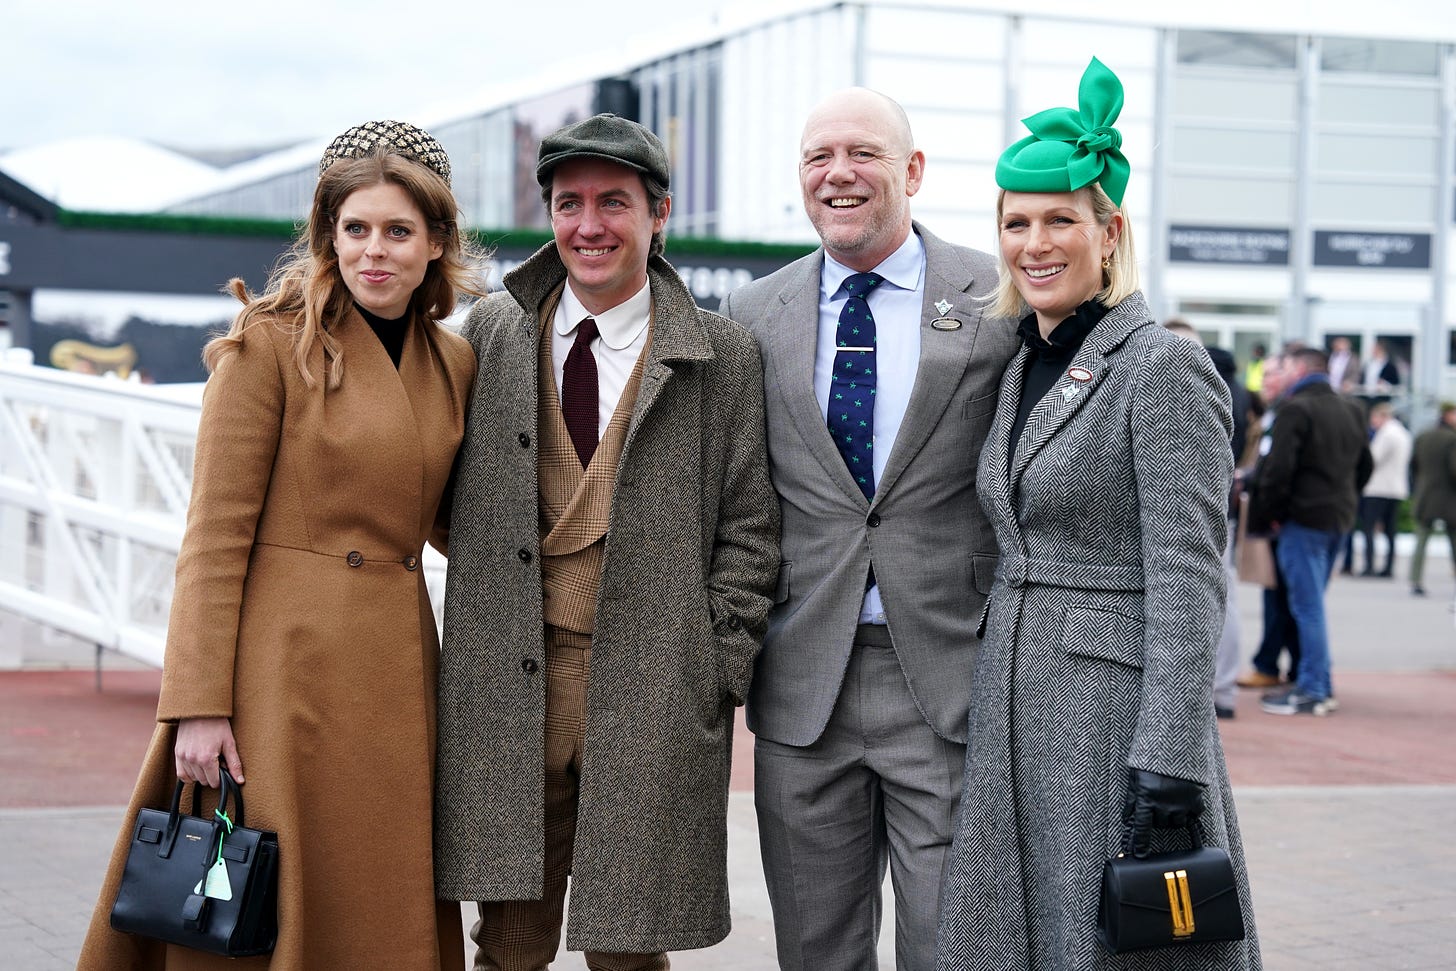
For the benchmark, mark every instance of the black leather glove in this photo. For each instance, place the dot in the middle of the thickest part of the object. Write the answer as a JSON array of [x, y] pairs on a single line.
[[1157, 801]]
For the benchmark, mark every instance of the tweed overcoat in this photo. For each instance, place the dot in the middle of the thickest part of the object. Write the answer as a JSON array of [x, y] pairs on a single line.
[[301, 613], [690, 560], [1099, 645]]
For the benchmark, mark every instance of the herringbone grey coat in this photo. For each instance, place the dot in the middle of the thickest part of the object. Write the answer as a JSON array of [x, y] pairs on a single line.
[[1098, 653], [690, 561]]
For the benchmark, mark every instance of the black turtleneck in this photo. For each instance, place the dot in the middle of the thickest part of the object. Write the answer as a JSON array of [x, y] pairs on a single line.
[[389, 332], [1050, 356]]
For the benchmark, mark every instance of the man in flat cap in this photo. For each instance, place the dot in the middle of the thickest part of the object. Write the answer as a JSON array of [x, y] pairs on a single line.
[[860, 701], [613, 545]]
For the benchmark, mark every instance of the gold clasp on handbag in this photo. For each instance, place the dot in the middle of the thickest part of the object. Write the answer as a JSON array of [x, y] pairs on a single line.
[[1179, 902]]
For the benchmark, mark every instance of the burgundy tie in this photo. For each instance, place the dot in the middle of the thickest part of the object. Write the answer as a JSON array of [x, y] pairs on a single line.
[[579, 392]]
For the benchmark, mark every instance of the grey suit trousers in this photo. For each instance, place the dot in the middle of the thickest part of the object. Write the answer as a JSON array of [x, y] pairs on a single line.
[[878, 788]]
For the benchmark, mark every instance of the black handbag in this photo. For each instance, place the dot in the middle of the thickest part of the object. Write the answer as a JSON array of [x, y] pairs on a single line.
[[1168, 899], [208, 884]]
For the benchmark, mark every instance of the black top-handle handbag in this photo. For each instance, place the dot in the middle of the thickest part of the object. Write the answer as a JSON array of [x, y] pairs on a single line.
[[1168, 899], [208, 884]]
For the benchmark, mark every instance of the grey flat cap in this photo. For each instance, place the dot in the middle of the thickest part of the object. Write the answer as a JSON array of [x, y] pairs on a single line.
[[604, 136]]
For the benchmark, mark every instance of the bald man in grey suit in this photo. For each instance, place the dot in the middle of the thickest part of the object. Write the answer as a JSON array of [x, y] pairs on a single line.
[[859, 701]]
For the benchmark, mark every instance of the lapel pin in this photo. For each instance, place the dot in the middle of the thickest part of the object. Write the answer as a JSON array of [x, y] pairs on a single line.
[[945, 323], [1079, 374], [943, 306], [1069, 391]]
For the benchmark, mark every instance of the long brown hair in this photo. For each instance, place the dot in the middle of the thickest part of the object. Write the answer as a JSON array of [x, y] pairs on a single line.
[[306, 291]]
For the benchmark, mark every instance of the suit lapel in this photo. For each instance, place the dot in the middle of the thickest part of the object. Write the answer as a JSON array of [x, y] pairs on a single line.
[[998, 440], [791, 348], [1067, 396], [944, 355]]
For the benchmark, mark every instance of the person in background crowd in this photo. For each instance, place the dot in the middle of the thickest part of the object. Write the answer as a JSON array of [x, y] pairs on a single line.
[[1254, 370], [1390, 453], [1307, 490], [1433, 469], [859, 704], [302, 638], [1379, 376], [1279, 633], [1226, 661], [1106, 475], [1344, 366]]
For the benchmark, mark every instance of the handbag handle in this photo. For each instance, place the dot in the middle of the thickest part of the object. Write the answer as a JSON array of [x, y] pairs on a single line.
[[230, 790]]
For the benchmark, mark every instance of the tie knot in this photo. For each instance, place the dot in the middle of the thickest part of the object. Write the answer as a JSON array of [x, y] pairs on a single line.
[[860, 284], [587, 332]]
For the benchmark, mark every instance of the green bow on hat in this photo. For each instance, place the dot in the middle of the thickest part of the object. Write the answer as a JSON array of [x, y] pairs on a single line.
[[1069, 149]]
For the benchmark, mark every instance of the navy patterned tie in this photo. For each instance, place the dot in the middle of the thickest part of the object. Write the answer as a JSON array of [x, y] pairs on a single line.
[[852, 386]]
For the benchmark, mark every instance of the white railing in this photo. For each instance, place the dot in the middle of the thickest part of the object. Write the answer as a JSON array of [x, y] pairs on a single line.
[[94, 480]]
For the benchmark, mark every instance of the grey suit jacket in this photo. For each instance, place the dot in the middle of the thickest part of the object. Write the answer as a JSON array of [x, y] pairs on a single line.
[[933, 552]]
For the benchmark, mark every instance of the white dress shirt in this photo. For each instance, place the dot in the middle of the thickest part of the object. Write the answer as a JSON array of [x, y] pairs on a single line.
[[896, 305], [623, 331]]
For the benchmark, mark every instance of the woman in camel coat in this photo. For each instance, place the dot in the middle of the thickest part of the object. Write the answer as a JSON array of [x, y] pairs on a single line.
[[302, 647]]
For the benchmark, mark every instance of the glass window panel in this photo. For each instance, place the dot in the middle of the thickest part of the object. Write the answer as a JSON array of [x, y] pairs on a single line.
[[1385, 154], [912, 31], [1345, 101], [933, 80], [965, 136], [1209, 200], [1342, 54], [1349, 205], [1236, 49], [1073, 43], [1236, 97], [1233, 149]]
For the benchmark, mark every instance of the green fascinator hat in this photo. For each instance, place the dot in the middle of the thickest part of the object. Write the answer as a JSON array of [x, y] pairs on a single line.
[[1068, 149]]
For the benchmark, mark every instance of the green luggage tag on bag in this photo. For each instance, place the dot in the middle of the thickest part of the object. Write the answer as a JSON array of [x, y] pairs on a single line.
[[218, 884]]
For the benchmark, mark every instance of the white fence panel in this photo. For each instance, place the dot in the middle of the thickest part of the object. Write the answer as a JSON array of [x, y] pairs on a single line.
[[95, 475]]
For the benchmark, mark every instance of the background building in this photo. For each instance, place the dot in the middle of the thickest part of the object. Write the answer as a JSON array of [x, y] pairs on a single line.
[[1293, 166]]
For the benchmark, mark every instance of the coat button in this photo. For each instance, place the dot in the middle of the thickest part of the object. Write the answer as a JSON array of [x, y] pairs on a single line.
[[733, 622], [355, 558], [524, 555], [528, 665], [410, 563], [874, 519], [524, 439]]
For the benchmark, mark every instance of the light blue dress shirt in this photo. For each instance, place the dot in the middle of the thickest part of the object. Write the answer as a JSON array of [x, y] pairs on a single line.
[[896, 304]]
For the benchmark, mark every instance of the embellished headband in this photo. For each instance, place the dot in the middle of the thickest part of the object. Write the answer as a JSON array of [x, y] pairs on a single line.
[[394, 137]]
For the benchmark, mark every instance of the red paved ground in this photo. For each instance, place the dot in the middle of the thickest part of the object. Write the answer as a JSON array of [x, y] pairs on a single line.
[[63, 744], [1391, 729]]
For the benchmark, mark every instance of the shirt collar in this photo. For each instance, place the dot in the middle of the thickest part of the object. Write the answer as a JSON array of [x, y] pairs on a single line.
[[901, 269], [619, 326]]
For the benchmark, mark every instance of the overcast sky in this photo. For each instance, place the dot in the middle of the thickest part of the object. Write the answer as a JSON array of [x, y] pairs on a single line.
[[201, 75]]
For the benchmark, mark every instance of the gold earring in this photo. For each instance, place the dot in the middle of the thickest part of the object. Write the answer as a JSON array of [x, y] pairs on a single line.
[[1106, 263]]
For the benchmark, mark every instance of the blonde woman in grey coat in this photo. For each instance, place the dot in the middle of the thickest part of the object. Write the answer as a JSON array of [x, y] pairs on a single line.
[[1104, 475]]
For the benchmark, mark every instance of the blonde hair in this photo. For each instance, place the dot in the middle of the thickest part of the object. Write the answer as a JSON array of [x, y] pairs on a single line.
[[306, 292], [1119, 277]]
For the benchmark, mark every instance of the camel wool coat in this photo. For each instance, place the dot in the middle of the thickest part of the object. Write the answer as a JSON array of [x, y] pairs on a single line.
[[1098, 654], [300, 612], [690, 562]]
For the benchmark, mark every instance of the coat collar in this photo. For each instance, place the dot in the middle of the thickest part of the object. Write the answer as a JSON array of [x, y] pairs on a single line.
[[1066, 397], [677, 332]]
